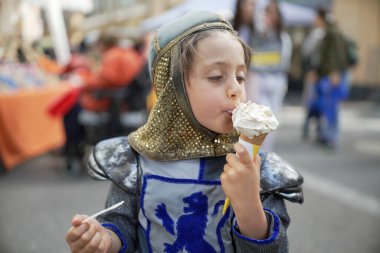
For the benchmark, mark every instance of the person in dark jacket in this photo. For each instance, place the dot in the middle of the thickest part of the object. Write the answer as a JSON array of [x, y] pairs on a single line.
[[325, 62]]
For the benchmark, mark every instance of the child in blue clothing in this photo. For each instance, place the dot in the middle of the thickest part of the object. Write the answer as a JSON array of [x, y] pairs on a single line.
[[175, 172], [324, 107]]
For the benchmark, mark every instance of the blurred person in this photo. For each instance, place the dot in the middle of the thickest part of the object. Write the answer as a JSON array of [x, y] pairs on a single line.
[[244, 23], [79, 64], [270, 63], [119, 66], [352, 59], [137, 95], [333, 70], [327, 66], [77, 69], [310, 58], [95, 116], [102, 94], [141, 86]]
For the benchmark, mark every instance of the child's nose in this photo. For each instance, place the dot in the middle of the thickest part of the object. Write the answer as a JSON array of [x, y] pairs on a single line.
[[235, 90]]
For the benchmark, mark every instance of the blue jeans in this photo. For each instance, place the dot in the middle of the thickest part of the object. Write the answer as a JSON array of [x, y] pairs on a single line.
[[330, 98]]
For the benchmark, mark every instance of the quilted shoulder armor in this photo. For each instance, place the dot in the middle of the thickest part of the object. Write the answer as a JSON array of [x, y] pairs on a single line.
[[114, 159], [280, 178]]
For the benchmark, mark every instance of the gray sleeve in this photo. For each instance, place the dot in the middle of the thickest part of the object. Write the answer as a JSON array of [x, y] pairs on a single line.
[[286, 51], [278, 220], [122, 220]]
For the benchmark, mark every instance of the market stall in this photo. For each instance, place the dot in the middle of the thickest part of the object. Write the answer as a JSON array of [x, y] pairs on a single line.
[[26, 129]]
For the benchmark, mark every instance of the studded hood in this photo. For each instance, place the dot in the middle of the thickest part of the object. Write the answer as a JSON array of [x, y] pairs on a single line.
[[172, 132]]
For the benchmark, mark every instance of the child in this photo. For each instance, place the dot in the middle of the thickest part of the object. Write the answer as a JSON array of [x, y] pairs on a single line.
[[175, 172]]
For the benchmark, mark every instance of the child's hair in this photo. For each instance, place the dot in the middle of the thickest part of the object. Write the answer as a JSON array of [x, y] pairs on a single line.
[[190, 43]]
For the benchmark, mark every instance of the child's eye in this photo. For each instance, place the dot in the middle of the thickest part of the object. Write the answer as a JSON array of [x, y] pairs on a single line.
[[240, 79], [215, 78]]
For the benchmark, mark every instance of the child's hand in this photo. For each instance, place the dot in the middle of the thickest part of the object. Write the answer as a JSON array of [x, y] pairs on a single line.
[[241, 177], [241, 183], [88, 236]]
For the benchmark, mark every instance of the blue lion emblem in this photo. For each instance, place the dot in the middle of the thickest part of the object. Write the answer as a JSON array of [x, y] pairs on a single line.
[[190, 226]]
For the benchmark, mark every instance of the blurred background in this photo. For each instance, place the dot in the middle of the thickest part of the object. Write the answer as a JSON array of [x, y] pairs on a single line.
[[75, 72]]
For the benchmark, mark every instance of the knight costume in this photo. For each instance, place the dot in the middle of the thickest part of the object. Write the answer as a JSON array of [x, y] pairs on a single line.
[[168, 171]]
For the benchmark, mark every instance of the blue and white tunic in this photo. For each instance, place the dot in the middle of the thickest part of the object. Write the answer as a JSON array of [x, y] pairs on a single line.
[[177, 206], [181, 206]]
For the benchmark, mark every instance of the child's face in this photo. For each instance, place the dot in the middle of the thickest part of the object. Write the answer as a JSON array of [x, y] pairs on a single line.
[[215, 81]]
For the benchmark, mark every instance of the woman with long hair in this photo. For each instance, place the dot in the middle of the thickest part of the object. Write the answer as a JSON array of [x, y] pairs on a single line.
[[270, 63]]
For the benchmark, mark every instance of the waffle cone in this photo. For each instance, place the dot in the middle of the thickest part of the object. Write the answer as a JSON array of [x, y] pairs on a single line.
[[256, 140]]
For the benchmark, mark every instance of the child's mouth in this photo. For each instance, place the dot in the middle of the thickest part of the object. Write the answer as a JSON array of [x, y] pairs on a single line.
[[229, 112]]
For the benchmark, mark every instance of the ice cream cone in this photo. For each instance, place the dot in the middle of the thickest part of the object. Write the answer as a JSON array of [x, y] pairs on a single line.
[[253, 120], [256, 140]]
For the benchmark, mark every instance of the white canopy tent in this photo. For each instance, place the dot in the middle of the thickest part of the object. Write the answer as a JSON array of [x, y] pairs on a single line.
[[297, 15], [223, 7], [85, 6], [56, 23], [294, 15]]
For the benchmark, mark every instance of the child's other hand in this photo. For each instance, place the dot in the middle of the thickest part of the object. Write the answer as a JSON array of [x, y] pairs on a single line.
[[241, 177], [88, 236]]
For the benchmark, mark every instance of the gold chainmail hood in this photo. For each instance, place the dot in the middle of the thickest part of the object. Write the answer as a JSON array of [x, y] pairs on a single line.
[[172, 132]]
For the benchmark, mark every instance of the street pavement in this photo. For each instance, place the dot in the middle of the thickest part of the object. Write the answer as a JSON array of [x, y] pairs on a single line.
[[341, 212]]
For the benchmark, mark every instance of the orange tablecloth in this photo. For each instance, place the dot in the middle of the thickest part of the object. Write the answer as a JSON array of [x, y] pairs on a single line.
[[26, 129]]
